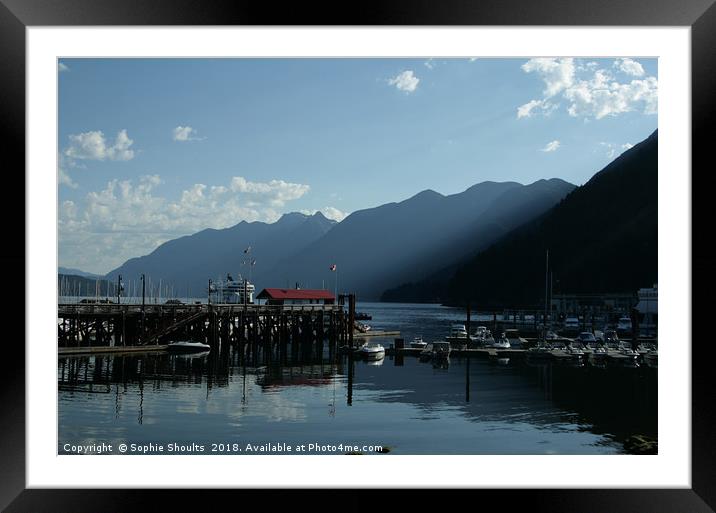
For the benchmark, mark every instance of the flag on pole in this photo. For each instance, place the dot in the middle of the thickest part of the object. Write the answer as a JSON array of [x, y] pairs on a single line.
[[333, 267]]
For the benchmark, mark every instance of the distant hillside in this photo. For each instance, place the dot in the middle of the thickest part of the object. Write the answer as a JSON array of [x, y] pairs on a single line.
[[187, 263], [384, 246], [601, 238], [76, 272]]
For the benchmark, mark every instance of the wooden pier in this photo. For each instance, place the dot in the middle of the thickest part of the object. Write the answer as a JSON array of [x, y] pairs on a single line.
[[269, 329]]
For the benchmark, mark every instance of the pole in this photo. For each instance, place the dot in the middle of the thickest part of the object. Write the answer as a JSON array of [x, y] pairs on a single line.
[[143, 289], [546, 278], [119, 284]]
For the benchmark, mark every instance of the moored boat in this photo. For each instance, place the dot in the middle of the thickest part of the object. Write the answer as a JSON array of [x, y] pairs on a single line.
[[187, 346], [372, 350], [418, 343]]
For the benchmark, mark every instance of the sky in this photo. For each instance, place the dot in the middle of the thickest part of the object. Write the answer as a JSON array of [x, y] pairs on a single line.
[[153, 149]]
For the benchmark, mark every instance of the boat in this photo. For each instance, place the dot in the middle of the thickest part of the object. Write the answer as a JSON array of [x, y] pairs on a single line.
[[624, 324], [587, 339], [513, 336], [458, 333], [231, 291], [418, 343], [187, 346], [362, 316], [571, 323], [362, 327], [501, 343], [372, 350]]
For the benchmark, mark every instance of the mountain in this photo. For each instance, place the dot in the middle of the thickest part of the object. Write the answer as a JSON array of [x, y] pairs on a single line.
[[189, 262], [381, 247], [601, 238], [76, 272]]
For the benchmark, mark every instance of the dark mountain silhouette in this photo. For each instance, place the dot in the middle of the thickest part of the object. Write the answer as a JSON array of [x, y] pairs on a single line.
[[381, 247], [601, 238], [187, 263]]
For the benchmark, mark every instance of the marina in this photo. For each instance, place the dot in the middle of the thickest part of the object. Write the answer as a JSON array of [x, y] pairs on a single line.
[[396, 399]]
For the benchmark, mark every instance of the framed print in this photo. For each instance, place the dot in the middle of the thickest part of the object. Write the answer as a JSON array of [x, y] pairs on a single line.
[[431, 238]]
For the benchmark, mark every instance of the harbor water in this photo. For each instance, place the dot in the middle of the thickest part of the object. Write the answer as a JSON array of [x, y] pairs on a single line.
[[159, 403]]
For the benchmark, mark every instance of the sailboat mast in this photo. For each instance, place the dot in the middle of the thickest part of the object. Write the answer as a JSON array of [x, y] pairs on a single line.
[[546, 289]]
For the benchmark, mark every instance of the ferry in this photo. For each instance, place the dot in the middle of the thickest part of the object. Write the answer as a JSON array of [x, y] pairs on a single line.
[[232, 291]]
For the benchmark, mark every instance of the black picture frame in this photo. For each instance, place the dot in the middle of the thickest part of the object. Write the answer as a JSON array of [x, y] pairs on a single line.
[[700, 15]]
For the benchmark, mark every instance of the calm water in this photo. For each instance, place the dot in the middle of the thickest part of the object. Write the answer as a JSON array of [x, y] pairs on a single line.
[[479, 406]]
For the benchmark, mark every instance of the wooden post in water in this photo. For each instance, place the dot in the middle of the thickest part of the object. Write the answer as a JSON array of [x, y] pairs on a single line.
[[467, 324], [351, 318]]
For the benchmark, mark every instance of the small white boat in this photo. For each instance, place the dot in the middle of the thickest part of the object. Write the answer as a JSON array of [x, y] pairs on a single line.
[[187, 346], [457, 333], [372, 350], [502, 343], [418, 343]]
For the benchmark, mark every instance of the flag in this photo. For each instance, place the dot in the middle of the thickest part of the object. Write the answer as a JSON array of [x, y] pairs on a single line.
[[247, 249], [253, 262], [228, 277], [333, 267]]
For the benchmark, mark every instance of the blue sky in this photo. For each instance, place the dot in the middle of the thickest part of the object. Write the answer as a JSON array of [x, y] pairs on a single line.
[[152, 149]]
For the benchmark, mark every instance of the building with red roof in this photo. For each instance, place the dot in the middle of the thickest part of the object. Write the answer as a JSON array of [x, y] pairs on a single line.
[[297, 297]]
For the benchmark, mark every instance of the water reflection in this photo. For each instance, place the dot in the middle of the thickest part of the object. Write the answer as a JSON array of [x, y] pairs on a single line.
[[461, 405]]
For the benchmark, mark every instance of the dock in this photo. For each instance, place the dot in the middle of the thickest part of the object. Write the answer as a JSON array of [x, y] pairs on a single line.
[[376, 334], [264, 331]]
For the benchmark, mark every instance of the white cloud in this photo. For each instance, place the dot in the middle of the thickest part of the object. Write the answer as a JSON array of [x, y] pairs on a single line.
[[598, 95], [329, 212], [557, 74], [93, 146], [473, 59], [430, 63], [551, 146], [405, 81], [630, 67], [129, 218], [185, 133], [543, 106], [64, 179], [626, 146], [62, 67]]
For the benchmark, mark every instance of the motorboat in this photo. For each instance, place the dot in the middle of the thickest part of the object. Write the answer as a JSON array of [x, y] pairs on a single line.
[[513, 337], [624, 324], [187, 346], [362, 316], [501, 343], [586, 338], [418, 343], [362, 327], [372, 350], [458, 333]]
